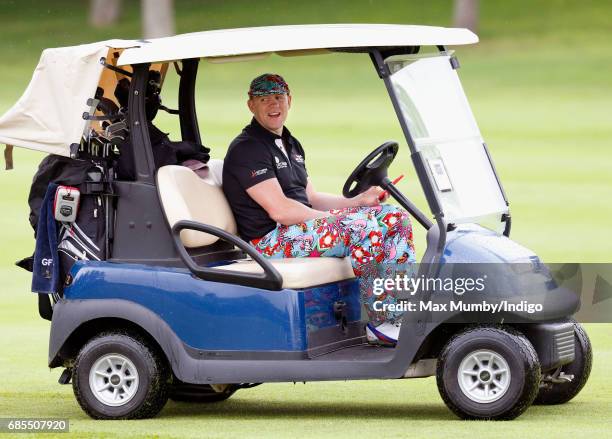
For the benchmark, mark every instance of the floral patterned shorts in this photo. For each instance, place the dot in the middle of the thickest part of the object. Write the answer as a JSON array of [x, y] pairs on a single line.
[[378, 240]]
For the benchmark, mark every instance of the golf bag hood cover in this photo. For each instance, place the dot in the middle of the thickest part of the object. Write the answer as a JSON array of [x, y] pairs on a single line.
[[48, 116]]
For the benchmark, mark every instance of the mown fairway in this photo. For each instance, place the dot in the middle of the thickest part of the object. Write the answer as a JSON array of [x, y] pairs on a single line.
[[539, 84]]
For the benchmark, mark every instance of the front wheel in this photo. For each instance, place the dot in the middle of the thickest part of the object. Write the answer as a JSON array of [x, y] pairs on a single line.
[[488, 373], [118, 376], [580, 368]]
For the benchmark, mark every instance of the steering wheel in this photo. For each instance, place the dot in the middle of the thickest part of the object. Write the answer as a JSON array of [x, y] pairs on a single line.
[[371, 171]]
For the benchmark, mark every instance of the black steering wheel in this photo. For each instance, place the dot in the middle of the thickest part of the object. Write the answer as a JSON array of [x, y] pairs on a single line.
[[371, 171]]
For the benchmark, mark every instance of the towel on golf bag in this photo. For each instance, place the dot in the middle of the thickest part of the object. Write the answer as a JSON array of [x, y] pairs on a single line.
[[46, 274], [60, 245]]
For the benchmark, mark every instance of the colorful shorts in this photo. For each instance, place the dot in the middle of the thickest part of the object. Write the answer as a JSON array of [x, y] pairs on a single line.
[[377, 239]]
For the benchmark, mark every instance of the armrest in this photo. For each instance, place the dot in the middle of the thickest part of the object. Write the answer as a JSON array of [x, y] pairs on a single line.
[[270, 279]]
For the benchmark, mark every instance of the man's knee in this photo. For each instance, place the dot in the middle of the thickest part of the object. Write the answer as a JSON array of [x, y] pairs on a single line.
[[386, 209]]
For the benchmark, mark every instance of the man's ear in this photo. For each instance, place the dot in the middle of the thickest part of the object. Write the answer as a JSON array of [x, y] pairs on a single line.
[[289, 101], [250, 105]]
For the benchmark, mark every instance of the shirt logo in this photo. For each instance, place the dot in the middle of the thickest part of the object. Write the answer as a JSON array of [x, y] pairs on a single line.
[[279, 164], [258, 172], [298, 158]]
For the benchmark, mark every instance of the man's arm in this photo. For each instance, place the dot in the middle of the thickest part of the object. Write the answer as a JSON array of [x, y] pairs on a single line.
[[269, 195], [325, 201]]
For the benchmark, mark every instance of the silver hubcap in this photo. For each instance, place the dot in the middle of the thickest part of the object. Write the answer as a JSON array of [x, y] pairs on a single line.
[[113, 380], [484, 376]]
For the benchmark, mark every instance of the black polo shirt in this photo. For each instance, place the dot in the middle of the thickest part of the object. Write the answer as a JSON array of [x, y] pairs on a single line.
[[253, 157]]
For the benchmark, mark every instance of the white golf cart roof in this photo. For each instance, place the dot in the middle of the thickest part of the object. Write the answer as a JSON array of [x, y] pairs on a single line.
[[286, 40], [48, 116]]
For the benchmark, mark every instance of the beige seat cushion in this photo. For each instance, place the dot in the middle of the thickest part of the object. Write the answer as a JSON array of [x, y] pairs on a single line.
[[185, 196], [301, 272]]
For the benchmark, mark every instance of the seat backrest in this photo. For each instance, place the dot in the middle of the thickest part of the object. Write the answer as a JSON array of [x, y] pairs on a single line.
[[185, 196]]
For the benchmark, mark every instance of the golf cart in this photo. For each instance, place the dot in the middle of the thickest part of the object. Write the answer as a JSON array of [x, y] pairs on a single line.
[[177, 305]]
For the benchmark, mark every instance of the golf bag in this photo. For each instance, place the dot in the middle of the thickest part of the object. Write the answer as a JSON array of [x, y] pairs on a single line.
[[60, 244]]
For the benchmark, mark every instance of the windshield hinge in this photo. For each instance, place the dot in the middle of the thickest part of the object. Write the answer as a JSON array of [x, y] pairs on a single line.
[[379, 64], [507, 219], [454, 62]]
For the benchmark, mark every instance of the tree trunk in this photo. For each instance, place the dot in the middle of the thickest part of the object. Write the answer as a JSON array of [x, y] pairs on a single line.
[[466, 14], [104, 13], [157, 18]]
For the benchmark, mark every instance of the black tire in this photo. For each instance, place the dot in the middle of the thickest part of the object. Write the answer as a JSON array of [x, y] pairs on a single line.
[[201, 394], [553, 394], [509, 345], [153, 374]]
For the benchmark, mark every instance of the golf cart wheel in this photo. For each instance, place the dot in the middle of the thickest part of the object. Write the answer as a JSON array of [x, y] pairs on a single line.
[[580, 368], [202, 394], [118, 376], [488, 373]]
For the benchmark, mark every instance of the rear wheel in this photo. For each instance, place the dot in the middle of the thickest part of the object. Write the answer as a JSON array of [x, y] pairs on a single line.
[[118, 376], [560, 393], [488, 373]]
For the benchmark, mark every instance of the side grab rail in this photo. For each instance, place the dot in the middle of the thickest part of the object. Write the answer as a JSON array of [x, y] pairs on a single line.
[[270, 279]]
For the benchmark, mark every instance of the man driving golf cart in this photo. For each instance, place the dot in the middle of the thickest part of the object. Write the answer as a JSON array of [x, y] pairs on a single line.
[[279, 211]]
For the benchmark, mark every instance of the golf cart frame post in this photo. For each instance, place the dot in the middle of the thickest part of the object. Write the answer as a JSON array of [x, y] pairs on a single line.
[[145, 167]]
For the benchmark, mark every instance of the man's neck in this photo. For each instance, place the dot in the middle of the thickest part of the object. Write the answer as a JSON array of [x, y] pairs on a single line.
[[278, 132]]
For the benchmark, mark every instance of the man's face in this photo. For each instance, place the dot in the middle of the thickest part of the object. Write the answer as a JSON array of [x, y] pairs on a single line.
[[270, 111]]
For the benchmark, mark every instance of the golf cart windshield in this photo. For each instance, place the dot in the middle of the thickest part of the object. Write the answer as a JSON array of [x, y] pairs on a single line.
[[441, 123]]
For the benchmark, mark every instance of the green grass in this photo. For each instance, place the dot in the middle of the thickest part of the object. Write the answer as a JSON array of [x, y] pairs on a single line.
[[539, 85]]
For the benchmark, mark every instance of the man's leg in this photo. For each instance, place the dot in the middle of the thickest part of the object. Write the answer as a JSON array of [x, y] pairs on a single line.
[[397, 259], [377, 239]]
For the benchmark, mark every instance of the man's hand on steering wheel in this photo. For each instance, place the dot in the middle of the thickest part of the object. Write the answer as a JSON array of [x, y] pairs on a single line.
[[370, 197]]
